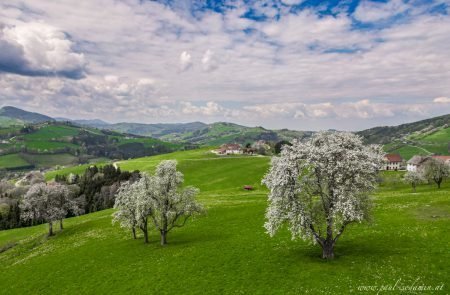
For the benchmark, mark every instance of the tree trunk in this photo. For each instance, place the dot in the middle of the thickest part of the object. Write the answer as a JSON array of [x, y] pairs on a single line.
[[439, 183], [61, 227], [145, 231], [145, 236], [134, 232], [414, 187], [163, 237], [328, 249], [50, 229]]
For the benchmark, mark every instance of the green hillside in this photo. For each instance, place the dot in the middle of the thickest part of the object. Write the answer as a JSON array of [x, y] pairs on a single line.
[[387, 134], [434, 141], [50, 144], [207, 134], [226, 250], [15, 116], [219, 133]]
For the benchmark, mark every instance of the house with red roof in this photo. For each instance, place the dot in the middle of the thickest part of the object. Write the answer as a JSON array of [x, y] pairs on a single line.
[[229, 149], [393, 162]]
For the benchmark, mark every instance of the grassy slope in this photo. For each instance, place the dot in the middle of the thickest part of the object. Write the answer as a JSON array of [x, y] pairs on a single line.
[[7, 122], [49, 138], [227, 251], [422, 144], [12, 161]]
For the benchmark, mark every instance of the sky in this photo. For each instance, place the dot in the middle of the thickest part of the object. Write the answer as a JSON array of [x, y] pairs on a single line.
[[303, 65]]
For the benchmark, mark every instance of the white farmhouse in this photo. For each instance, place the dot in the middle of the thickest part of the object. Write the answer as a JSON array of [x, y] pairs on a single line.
[[415, 163], [229, 149], [392, 162]]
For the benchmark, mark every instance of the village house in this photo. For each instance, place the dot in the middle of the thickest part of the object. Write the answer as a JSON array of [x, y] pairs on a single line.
[[229, 149], [393, 162], [417, 162], [445, 159]]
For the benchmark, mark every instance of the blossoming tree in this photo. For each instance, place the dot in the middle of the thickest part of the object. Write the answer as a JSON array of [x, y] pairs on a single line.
[[125, 205], [159, 197], [172, 204], [49, 202], [321, 186], [413, 178], [436, 170]]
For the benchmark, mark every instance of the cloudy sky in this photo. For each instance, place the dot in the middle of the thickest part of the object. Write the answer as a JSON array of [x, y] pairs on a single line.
[[304, 65]]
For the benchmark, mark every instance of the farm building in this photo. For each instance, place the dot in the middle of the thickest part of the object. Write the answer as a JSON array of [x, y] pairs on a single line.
[[393, 162], [417, 162], [229, 149], [445, 159]]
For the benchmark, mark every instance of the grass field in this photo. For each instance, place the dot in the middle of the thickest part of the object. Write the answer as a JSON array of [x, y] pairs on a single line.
[[226, 251], [12, 161], [50, 160], [422, 144]]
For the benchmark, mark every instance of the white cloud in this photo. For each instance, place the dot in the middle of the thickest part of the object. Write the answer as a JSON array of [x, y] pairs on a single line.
[[442, 99], [371, 11], [39, 49], [292, 2], [305, 58], [209, 61], [185, 61], [210, 109]]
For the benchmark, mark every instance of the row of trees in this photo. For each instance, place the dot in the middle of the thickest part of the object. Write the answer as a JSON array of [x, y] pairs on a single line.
[[158, 198], [50, 203], [434, 170], [95, 190]]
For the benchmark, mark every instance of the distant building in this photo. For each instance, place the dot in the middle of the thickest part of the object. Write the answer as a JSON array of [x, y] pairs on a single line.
[[261, 147], [393, 162], [416, 163], [445, 159], [229, 149]]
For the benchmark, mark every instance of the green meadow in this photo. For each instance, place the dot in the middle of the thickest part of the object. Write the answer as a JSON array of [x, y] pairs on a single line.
[[226, 250], [422, 144], [12, 161]]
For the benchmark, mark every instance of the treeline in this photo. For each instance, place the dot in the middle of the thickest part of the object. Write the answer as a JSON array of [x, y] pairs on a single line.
[[94, 190]]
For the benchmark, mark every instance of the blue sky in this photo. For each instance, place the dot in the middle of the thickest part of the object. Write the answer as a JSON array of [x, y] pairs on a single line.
[[277, 63]]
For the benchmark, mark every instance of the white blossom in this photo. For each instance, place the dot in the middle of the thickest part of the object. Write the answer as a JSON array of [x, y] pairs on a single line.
[[48, 202], [320, 186]]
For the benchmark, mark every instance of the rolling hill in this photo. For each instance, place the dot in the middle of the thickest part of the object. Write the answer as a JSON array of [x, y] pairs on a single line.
[[227, 251], [207, 134], [10, 116], [426, 137], [49, 144]]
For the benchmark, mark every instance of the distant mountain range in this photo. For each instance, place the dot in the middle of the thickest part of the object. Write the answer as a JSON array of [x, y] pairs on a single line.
[[14, 116], [223, 132], [195, 132]]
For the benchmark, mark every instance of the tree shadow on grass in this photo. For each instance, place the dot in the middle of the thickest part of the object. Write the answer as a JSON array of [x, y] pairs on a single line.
[[353, 249]]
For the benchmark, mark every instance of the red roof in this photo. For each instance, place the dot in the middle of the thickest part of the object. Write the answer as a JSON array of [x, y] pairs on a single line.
[[393, 158], [443, 158]]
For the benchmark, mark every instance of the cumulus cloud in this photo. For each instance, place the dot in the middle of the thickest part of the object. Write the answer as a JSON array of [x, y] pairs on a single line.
[[209, 61], [362, 109], [442, 99], [210, 109], [38, 49], [185, 61], [302, 64]]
